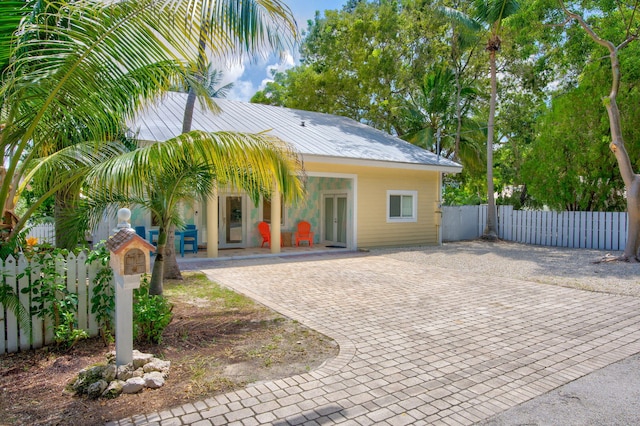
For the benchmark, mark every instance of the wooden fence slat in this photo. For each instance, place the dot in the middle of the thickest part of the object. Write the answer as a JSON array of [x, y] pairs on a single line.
[[11, 321], [83, 301], [539, 230], [589, 231], [623, 236], [510, 223], [26, 337], [615, 231], [521, 226], [582, 229], [72, 283], [92, 271], [602, 226], [37, 324]]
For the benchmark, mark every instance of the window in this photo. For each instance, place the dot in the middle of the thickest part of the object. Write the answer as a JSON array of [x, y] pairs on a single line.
[[266, 211], [402, 206]]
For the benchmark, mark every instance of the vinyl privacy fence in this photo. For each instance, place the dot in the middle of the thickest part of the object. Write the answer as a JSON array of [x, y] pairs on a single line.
[[589, 230], [19, 273]]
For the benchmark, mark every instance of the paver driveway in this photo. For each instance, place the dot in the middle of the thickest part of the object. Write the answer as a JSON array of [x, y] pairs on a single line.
[[418, 344]]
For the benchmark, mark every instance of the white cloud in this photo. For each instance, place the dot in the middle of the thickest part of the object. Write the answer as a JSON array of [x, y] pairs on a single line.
[[242, 90], [232, 72], [287, 62], [249, 77]]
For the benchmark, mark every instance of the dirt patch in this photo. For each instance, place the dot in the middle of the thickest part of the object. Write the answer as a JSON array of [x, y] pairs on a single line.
[[214, 346]]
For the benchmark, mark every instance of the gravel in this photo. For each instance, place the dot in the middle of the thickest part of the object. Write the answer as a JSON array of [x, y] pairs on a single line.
[[576, 268]]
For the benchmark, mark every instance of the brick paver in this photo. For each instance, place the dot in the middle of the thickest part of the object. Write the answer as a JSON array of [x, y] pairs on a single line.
[[420, 344]]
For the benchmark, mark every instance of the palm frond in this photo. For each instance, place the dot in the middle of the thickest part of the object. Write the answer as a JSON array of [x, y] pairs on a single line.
[[11, 302], [231, 156], [71, 163], [256, 25], [493, 12], [11, 13], [459, 17]]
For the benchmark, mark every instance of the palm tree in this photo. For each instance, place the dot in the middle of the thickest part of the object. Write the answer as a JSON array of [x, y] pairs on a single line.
[[440, 103], [103, 65], [489, 15], [492, 13], [185, 168], [209, 80]]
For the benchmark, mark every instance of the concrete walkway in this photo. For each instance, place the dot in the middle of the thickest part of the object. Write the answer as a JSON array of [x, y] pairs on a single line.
[[418, 344]]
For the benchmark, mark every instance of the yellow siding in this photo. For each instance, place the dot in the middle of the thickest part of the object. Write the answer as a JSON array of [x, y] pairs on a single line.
[[373, 183]]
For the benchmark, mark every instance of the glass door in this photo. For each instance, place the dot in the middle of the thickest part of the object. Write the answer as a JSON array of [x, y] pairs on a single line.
[[335, 219], [232, 221]]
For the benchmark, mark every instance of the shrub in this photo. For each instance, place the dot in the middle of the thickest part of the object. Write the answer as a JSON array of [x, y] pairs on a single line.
[[151, 314], [103, 302]]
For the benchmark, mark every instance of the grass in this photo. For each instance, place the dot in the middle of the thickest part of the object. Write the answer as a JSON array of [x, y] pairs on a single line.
[[196, 285]]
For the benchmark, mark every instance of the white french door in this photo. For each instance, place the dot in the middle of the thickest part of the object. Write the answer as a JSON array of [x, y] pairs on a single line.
[[231, 221], [335, 214]]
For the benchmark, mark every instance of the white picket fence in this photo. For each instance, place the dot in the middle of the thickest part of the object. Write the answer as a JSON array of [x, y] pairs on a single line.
[[79, 278], [589, 230], [46, 232]]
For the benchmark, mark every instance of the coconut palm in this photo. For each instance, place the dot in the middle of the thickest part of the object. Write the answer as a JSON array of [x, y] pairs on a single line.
[[437, 107], [492, 13], [488, 15], [209, 79], [159, 176], [104, 64]]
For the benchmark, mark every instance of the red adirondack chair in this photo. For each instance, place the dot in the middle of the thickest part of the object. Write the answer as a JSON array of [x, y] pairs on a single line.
[[304, 233]]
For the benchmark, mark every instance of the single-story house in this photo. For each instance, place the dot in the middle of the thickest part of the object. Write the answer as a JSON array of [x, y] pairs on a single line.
[[365, 188]]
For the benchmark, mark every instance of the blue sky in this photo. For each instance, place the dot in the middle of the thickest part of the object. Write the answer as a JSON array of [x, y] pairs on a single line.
[[250, 76]]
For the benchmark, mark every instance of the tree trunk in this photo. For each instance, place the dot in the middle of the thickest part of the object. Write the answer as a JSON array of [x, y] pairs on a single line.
[[631, 179], [157, 274], [171, 268], [491, 231]]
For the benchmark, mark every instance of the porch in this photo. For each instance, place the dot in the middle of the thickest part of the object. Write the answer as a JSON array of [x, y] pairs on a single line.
[[258, 252]]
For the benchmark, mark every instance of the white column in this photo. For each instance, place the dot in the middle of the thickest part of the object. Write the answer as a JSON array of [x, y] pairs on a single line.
[[212, 224], [124, 316], [276, 214]]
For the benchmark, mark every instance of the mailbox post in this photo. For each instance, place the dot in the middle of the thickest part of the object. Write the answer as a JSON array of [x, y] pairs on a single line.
[[129, 259]]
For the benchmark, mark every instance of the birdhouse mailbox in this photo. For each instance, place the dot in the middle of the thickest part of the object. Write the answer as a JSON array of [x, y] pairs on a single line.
[[130, 258], [129, 254]]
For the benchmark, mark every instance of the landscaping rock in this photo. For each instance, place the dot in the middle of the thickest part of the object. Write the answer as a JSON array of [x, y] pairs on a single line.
[[133, 385], [95, 389], [125, 372], [140, 359], [109, 381], [113, 390], [158, 365], [109, 373], [154, 380]]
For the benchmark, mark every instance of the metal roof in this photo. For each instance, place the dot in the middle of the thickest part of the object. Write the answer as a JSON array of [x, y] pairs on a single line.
[[317, 136]]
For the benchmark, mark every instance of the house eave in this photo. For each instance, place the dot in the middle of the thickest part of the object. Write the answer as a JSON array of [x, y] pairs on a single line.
[[380, 163]]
